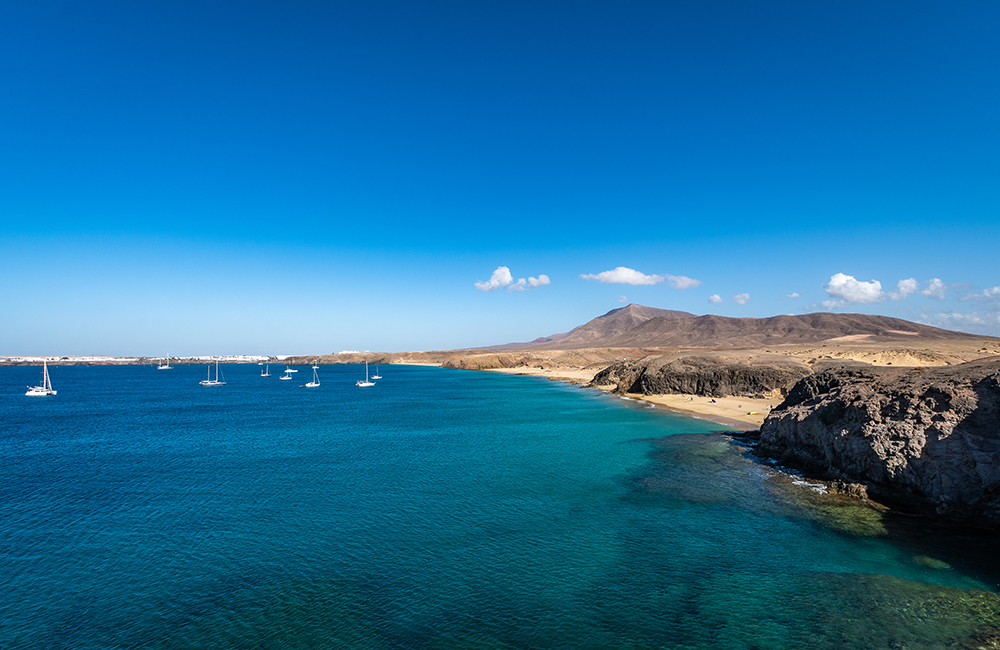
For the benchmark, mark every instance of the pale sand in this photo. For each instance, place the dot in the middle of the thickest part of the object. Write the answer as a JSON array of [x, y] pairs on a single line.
[[739, 411], [736, 411], [577, 376]]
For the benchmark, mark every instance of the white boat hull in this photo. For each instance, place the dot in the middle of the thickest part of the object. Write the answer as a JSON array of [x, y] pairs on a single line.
[[46, 388], [208, 381]]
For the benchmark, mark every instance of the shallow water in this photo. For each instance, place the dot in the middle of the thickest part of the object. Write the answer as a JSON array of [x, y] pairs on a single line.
[[438, 509]]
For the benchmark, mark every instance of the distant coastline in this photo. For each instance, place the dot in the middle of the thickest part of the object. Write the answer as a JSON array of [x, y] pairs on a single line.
[[99, 360]]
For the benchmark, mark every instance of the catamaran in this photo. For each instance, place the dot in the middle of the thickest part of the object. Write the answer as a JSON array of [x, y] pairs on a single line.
[[46, 387], [315, 382], [365, 383], [287, 375], [166, 364], [208, 381], [376, 375]]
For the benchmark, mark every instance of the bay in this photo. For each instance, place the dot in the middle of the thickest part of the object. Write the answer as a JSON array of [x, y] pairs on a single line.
[[437, 509]]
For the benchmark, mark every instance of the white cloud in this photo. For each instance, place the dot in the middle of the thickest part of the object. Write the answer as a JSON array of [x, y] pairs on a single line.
[[935, 289], [500, 278], [849, 290], [682, 281], [624, 275], [715, 299], [794, 294], [988, 295], [980, 322], [741, 298], [903, 289]]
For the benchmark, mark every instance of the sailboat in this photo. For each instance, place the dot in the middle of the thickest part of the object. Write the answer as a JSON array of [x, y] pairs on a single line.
[[208, 381], [287, 375], [166, 364], [46, 387], [365, 383], [315, 382], [376, 375], [266, 372]]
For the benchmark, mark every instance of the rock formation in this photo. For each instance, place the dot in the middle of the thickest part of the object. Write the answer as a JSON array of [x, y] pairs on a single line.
[[705, 375], [922, 439]]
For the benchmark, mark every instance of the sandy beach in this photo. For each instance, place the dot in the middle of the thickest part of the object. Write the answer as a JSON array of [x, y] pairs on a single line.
[[735, 411]]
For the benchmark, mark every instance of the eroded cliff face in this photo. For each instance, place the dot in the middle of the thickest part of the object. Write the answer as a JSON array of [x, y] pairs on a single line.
[[924, 439], [700, 375]]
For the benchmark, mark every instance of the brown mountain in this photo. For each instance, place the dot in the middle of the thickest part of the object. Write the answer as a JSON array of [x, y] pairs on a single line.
[[615, 322], [638, 326]]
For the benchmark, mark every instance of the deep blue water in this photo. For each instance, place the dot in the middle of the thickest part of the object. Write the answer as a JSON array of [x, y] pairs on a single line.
[[438, 509]]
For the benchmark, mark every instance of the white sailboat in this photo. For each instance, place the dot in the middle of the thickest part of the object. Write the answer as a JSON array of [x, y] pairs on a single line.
[[365, 383], [288, 374], [315, 382], [208, 381], [46, 387], [166, 364], [266, 372], [376, 375]]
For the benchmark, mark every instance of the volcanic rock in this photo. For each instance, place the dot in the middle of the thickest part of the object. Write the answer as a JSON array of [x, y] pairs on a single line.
[[923, 439]]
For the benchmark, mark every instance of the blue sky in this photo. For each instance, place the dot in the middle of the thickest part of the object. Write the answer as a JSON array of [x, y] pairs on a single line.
[[259, 178]]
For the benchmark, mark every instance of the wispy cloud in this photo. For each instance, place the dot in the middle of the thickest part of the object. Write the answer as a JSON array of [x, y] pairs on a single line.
[[981, 321], [987, 295], [682, 281], [848, 290], [935, 289], [794, 294], [715, 299], [502, 278], [741, 298], [625, 275]]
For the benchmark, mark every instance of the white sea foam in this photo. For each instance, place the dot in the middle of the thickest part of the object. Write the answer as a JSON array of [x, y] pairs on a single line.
[[815, 487]]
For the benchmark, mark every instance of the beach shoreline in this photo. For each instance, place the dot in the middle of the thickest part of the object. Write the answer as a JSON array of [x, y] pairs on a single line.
[[739, 412]]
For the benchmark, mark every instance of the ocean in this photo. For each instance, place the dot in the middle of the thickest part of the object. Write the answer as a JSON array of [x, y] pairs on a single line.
[[438, 509]]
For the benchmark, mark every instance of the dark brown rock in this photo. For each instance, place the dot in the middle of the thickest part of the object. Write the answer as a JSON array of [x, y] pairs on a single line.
[[700, 375], [924, 439]]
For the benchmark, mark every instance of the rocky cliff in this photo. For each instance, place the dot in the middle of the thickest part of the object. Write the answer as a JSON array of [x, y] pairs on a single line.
[[701, 375], [923, 439]]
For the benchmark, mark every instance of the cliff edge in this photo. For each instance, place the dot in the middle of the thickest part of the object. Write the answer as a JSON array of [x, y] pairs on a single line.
[[926, 440]]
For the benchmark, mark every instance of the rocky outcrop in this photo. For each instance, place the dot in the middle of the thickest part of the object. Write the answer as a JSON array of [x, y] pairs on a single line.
[[923, 439], [490, 361], [700, 375]]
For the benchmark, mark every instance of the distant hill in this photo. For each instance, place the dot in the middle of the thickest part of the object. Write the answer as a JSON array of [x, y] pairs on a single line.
[[638, 326], [615, 322]]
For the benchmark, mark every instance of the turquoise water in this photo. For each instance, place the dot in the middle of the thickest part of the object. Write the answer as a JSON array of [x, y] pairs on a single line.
[[438, 509]]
